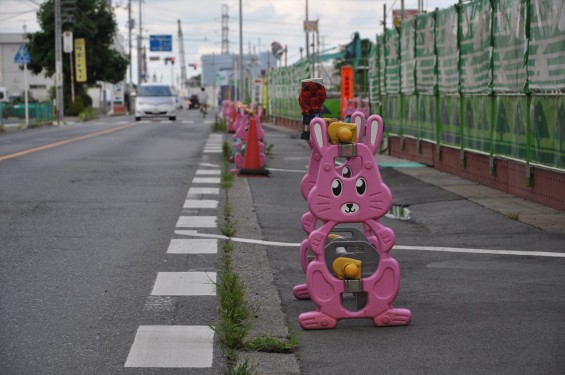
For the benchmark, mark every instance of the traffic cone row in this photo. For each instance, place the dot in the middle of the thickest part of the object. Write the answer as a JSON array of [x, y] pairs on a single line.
[[248, 149]]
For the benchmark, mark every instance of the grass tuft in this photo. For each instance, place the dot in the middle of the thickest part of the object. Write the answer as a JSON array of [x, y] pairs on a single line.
[[514, 215], [272, 344]]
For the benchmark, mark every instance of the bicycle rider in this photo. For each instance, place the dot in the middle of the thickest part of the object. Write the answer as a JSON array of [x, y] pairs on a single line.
[[203, 100]]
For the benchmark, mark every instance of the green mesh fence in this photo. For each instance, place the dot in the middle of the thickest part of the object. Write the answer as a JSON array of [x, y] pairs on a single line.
[[486, 76], [284, 88]]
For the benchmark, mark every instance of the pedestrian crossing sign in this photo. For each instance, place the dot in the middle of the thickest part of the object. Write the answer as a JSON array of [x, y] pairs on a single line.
[[22, 56]]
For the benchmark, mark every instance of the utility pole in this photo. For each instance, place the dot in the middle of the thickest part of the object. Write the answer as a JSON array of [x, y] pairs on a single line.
[[139, 55], [182, 59], [225, 30], [384, 19], [130, 26], [58, 63], [306, 31], [240, 96]]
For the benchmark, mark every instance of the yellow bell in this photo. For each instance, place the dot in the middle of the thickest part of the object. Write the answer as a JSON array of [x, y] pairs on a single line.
[[342, 132], [347, 268]]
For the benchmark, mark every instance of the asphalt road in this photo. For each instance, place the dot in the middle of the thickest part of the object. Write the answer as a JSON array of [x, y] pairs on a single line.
[[84, 228]]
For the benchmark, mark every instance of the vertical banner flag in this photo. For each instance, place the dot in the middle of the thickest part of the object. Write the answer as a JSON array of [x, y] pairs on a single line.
[[80, 60], [346, 86]]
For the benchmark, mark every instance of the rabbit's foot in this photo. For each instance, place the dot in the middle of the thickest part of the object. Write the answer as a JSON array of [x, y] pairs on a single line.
[[393, 317], [300, 291], [316, 320]]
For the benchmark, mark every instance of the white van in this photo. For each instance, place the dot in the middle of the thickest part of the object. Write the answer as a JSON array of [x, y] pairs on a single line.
[[155, 100]]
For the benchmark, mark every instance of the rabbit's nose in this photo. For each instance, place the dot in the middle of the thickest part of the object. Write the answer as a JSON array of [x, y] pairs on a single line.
[[350, 205]]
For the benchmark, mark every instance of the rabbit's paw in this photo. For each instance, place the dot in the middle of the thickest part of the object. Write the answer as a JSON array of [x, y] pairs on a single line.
[[316, 320], [300, 291], [393, 317]]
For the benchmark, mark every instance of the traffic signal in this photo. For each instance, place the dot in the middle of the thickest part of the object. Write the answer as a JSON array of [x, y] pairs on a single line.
[[195, 66], [173, 60]]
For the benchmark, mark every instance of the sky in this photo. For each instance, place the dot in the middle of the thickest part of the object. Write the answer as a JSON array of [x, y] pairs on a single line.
[[263, 22]]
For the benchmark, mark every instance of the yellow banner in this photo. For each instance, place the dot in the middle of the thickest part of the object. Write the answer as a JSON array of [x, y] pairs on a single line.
[[80, 60]]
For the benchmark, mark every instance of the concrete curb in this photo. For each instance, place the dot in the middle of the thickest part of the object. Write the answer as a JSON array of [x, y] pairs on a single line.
[[253, 267]]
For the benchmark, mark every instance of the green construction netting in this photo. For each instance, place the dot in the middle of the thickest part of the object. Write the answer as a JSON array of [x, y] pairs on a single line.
[[425, 54], [486, 76], [509, 70], [546, 52]]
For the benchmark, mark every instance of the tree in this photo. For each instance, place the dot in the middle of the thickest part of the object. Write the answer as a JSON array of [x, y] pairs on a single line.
[[95, 22]]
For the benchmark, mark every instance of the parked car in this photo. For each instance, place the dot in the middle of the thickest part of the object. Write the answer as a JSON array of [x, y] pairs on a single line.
[[193, 102], [155, 100]]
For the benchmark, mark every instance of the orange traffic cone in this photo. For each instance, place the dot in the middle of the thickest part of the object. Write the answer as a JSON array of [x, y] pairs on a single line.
[[252, 161]]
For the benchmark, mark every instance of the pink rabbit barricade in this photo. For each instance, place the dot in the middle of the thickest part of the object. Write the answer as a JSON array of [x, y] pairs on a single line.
[[308, 182], [355, 105], [346, 261]]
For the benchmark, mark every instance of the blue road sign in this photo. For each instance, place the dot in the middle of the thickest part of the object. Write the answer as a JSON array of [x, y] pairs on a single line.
[[22, 56], [161, 43]]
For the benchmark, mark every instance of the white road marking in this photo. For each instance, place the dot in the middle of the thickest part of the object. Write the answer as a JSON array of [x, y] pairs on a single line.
[[193, 246], [206, 180], [200, 203], [195, 233], [303, 171], [197, 191], [188, 121], [197, 222], [172, 346], [208, 172], [185, 284], [210, 165], [212, 151]]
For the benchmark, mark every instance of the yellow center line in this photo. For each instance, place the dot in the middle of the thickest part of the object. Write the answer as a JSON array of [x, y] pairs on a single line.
[[64, 142]]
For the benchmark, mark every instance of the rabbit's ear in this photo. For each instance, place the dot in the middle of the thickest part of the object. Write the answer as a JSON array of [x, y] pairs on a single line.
[[319, 134], [374, 130], [358, 118]]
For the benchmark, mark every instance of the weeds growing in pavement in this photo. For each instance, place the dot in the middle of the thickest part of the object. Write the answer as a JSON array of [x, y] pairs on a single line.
[[514, 215], [244, 368], [227, 176], [235, 313], [228, 226], [272, 344], [220, 125]]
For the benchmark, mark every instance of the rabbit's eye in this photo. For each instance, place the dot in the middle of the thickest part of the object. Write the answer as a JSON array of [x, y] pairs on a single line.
[[346, 172], [361, 186], [336, 187]]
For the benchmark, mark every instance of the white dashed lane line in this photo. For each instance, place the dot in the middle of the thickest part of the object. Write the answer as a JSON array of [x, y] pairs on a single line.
[[193, 246], [203, 191], [185, 284], [197, 222], [185, 346], [172, 346]]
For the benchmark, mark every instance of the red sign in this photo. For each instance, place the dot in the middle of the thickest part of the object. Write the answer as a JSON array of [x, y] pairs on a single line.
[[346, 85]]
